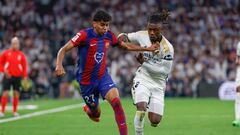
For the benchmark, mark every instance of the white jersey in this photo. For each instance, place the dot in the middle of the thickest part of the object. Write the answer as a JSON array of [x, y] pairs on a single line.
[[156, 66], [150, 81]]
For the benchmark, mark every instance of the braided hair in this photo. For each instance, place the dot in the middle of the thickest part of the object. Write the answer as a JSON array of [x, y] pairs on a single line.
[[159, 17]]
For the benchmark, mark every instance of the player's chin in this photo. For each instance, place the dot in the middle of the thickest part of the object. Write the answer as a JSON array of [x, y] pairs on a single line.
[[153, 39], [104, 32]]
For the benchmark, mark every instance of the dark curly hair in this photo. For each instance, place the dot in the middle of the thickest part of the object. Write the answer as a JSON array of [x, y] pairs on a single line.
[[159, 17], [102, 15]]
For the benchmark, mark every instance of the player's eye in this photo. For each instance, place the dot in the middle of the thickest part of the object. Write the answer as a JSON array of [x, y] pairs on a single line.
[[104, 24]]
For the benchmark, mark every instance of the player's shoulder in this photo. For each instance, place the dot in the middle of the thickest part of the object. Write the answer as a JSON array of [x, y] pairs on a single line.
[[84, 33], [165, 42], [6, 51], [86, 30], [110, 34], [142, 33]]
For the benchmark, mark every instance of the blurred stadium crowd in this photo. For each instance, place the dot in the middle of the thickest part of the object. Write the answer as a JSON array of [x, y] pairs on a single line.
[[204, 34]]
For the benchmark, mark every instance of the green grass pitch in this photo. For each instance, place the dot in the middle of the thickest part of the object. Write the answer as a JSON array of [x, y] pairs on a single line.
[[181, 117]]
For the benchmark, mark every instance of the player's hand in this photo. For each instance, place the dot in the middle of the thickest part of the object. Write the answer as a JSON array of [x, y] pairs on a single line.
[[154, 47], [59, 71], [140, 58], [7, 75], [25, 79]]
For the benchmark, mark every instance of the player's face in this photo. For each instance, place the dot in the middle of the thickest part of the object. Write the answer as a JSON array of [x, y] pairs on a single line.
[[154, 31], [15, 44], [101, 27]]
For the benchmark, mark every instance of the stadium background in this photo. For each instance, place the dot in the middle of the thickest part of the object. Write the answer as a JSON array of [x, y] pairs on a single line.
[[204, 34]]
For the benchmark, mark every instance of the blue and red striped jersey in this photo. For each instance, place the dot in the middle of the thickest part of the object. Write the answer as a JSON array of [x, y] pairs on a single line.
[[92, 49]]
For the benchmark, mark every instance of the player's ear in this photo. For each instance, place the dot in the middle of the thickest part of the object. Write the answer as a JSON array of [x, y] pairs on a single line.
[[94, 24]]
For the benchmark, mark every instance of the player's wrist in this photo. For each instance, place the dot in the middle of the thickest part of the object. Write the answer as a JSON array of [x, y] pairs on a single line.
[[148, 49]]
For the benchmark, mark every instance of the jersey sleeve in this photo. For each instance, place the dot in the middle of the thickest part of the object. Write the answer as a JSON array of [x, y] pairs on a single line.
[[25, 66], [114, 40], [2, 61], [133, 37], [80, 37]]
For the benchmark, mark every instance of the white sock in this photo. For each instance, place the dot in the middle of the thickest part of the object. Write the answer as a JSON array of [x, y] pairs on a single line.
[[139, 122], [237, 106]]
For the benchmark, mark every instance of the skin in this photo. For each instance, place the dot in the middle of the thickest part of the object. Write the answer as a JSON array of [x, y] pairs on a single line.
[[100, 28], [154, 31]]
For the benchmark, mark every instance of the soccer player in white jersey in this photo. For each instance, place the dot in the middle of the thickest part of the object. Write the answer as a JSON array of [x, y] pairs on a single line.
[[236, 122], [150, 80]]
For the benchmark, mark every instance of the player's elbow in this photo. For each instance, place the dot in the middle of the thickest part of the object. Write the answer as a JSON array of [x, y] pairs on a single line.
[[122, 37], [63, 49]]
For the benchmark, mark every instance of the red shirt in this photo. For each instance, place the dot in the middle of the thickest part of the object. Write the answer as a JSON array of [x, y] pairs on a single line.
[[14, 62]]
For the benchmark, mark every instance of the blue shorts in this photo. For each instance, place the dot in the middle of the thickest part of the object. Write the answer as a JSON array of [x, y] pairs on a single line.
[[90, 93]]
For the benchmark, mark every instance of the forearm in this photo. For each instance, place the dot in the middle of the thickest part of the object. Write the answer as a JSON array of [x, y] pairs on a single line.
[[61, 53], [60, 56], [25, 66], [25, 75], [134, 47]]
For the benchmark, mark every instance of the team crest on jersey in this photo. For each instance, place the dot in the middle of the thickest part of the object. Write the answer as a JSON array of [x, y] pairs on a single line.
[[98, 57]]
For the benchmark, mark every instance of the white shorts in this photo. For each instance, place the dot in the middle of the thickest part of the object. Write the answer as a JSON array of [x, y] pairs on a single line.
[[238, 76], [145, 89]]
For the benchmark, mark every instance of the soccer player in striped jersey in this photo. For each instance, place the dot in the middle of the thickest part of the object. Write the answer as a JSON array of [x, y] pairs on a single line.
[[92, 74], [150, 80], [236, 122]]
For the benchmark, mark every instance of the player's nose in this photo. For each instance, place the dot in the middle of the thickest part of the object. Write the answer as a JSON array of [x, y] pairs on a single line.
[[151, 32]]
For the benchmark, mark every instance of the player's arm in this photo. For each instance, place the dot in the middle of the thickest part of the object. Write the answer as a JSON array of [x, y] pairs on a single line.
[[2, 62], [125, 43], [134, 47], [59, 70], [25, 67], [74, 42]]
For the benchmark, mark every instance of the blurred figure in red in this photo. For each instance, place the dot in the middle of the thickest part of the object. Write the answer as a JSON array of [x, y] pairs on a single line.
[[13, 64]]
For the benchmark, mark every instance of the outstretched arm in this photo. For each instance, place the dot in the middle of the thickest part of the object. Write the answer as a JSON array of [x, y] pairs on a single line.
[[133, 47], [125, 43], [59, 70]]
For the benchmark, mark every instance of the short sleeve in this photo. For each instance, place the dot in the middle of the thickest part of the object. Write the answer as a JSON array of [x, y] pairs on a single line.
[[114, 39], [133, 37], [81, 36]]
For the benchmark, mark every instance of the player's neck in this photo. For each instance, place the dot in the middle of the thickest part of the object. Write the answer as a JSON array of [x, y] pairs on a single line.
[[13, 49], [97, 33]]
